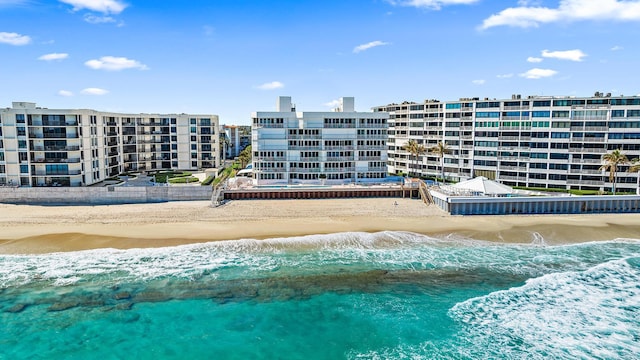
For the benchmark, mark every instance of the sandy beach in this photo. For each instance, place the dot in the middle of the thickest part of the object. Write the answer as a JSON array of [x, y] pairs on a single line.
[[27, 229]]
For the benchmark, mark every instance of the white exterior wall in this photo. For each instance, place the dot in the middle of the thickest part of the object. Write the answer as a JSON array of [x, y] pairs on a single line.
[[297, 148], [88, 146], [534, 150]]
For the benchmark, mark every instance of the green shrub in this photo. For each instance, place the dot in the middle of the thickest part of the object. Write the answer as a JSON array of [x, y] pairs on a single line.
[[183, 180], [208, 180]]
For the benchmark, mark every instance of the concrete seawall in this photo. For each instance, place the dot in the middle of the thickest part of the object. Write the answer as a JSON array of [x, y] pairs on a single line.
[[109, 195]]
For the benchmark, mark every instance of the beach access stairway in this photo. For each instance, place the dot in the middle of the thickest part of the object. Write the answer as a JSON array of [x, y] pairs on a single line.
[[217, 196], [425, 195]]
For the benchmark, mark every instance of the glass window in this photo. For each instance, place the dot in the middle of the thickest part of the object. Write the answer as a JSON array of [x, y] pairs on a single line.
[[487, 114], [617, 113], [541, 114]]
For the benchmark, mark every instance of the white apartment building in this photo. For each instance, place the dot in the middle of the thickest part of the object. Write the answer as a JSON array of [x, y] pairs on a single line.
[[54, 147], [237, 138], [545, 142], [335, 147]]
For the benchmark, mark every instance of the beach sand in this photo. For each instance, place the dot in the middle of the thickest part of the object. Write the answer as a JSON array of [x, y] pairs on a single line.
[[29, 229]]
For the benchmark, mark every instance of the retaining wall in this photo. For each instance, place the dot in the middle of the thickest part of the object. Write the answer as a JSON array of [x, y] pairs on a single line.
[[460, 205], [102, 195]]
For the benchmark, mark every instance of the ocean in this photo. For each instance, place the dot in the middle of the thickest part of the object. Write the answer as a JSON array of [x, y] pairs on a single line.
[[388, 295]]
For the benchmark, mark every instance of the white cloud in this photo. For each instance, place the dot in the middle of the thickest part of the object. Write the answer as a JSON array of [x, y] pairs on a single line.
[[617, 48], [111, 63], [368, 46], [532, 59], [479, 82], [93, 19], [430, 4], [14, 39], [53, 56], [538, 73], [103, 6], [504, 76], [65, 93], [572, 55], [271, 85], [332, 104], [568, 10], [94, 91]]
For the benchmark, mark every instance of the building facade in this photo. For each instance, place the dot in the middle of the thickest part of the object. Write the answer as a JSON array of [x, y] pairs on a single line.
[[338, 147], [54, 147], [542, 142]]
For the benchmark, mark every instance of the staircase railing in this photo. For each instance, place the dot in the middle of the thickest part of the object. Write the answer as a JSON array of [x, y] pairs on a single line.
[[425, 194]]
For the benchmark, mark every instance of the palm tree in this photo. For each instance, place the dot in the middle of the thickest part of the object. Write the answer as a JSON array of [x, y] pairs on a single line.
[[636, 168], [415, 149], [245, 156], [440, 150], [612, 161]]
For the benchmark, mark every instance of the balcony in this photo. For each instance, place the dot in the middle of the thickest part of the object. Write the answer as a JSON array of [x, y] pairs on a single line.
[[585, 182], [361, 158], [301, 137], [56, 161], [339, 170], [379, 126], [55, 148], [339, 126], [513, 178], [587, 150], [586, 172], [271, 158], [272, 170]]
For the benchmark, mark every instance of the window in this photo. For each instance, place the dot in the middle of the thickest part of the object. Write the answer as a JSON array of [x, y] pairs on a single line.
[[625, 101], [617, 113], [545, 114], [560, 135], [24, 169], [541, 103], [633, 113], [487, 114], [453, 106]]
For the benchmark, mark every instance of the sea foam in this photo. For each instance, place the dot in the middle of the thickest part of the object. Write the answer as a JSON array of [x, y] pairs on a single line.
[[576, 314]]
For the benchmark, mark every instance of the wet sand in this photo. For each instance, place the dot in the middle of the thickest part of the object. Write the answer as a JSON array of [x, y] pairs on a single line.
[[29, 229]]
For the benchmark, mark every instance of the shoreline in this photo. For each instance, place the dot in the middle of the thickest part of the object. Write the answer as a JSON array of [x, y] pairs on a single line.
[[32, 229]]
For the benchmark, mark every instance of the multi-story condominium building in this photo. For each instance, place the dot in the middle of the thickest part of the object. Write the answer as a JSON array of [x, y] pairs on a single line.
[[546, 142], [45, 147], [338, 147], [237, 138]]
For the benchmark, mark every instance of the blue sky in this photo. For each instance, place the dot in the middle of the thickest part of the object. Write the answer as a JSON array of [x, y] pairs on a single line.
[[232, 57]]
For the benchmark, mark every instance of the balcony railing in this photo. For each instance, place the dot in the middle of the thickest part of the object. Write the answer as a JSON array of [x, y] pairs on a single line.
[[55, 148]]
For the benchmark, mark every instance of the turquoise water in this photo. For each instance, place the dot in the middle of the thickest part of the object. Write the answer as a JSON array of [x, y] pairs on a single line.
[[390, 295]]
